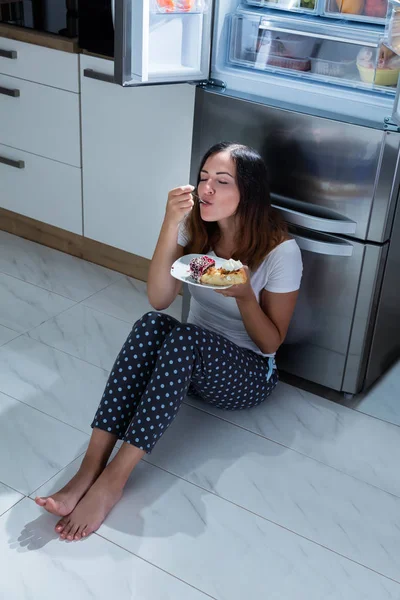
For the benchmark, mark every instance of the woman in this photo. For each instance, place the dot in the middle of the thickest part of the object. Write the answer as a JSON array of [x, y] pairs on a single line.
[[225, 354]]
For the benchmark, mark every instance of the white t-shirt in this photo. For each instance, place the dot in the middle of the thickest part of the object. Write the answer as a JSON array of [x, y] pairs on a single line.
[[280, 272]]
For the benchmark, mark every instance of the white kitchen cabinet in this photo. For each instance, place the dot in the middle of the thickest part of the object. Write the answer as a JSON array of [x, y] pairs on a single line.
[[43, 189], [42, 65], [40, 119], [136, 145]]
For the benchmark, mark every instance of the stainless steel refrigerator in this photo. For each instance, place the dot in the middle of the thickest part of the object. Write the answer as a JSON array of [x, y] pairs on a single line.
[[312, 84]]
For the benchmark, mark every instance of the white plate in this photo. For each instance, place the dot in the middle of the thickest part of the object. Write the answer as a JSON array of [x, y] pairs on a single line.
[[180, 270]]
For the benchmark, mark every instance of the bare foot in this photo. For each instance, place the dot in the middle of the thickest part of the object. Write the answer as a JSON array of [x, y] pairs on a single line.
[[63, 502], [91, 511]]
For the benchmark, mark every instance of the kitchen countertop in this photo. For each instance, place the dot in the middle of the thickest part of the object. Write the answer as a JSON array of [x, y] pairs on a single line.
[[47, 40]]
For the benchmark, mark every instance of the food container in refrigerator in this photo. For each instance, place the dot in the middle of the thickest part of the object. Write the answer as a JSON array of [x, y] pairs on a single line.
[[370, 11], [335, 59], [379, 67], [179, 6], [292, 46], [283, 62], [392, 32], [302, 6]]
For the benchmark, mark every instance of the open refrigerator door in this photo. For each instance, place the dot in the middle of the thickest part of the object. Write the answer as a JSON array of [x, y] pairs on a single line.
[[162, 41]]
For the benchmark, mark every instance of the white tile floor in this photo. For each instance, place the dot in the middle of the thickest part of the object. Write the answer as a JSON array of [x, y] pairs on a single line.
[[297, 499]]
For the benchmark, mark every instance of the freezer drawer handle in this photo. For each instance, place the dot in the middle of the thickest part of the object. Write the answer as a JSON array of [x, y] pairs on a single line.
[[8, 92], [316, 223], [8, 53], [18, 164], [91, 74], [319, 247]]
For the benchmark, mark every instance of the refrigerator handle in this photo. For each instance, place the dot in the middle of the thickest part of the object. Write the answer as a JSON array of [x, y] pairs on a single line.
[[91, 74], [322, 247], [295, 217]]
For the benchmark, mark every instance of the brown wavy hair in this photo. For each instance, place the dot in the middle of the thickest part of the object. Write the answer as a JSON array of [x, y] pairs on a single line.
[[260, 227]]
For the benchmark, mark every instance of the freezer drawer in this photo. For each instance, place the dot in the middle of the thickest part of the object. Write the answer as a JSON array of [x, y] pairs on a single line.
[[328, 335]]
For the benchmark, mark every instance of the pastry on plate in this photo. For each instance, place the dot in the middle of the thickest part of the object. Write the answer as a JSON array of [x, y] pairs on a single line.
[[203, 270]]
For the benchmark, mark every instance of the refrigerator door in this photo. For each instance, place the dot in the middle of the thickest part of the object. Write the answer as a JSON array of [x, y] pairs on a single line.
[[162, 41], [327, 338]]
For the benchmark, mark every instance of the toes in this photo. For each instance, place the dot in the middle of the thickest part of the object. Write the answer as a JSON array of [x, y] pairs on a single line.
[[62, 525], [40, 501], [67, 531], [72, 532], [78, 533], [51, 504]]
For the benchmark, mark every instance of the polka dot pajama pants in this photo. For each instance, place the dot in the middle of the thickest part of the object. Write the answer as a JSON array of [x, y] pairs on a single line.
[[161, 361]]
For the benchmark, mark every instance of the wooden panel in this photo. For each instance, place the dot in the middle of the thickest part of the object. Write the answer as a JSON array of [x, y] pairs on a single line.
[[76, 245], [38, 38]]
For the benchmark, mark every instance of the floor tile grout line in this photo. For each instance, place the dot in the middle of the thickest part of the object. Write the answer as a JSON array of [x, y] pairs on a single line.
[[33, 339], [129, 552], [40, 287], [29, 331], [118, 278], [11, 488], [292, 450], [102, 311], [12, 340], [45, 414], [275, 523], [154, 565], [55, 475], [360, 412], [349, 409], [13, 506], [106, 371]]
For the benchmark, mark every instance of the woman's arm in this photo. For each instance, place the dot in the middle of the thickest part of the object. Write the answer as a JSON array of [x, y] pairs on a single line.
[[267, 323], [162, 288]]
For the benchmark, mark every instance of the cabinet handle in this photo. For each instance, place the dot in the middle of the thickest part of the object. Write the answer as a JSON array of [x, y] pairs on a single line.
[[8, 92], [8, 53], [91, 74], [17, 164]]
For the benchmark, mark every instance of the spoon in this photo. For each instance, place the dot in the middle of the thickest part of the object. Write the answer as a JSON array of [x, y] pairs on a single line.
[[198, 198]]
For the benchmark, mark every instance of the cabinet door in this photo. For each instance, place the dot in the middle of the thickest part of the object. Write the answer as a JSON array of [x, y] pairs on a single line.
[[136, 146], [162, 41], [42, 189]]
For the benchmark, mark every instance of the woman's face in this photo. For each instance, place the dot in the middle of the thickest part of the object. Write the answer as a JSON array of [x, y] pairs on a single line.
[[218, 188]]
